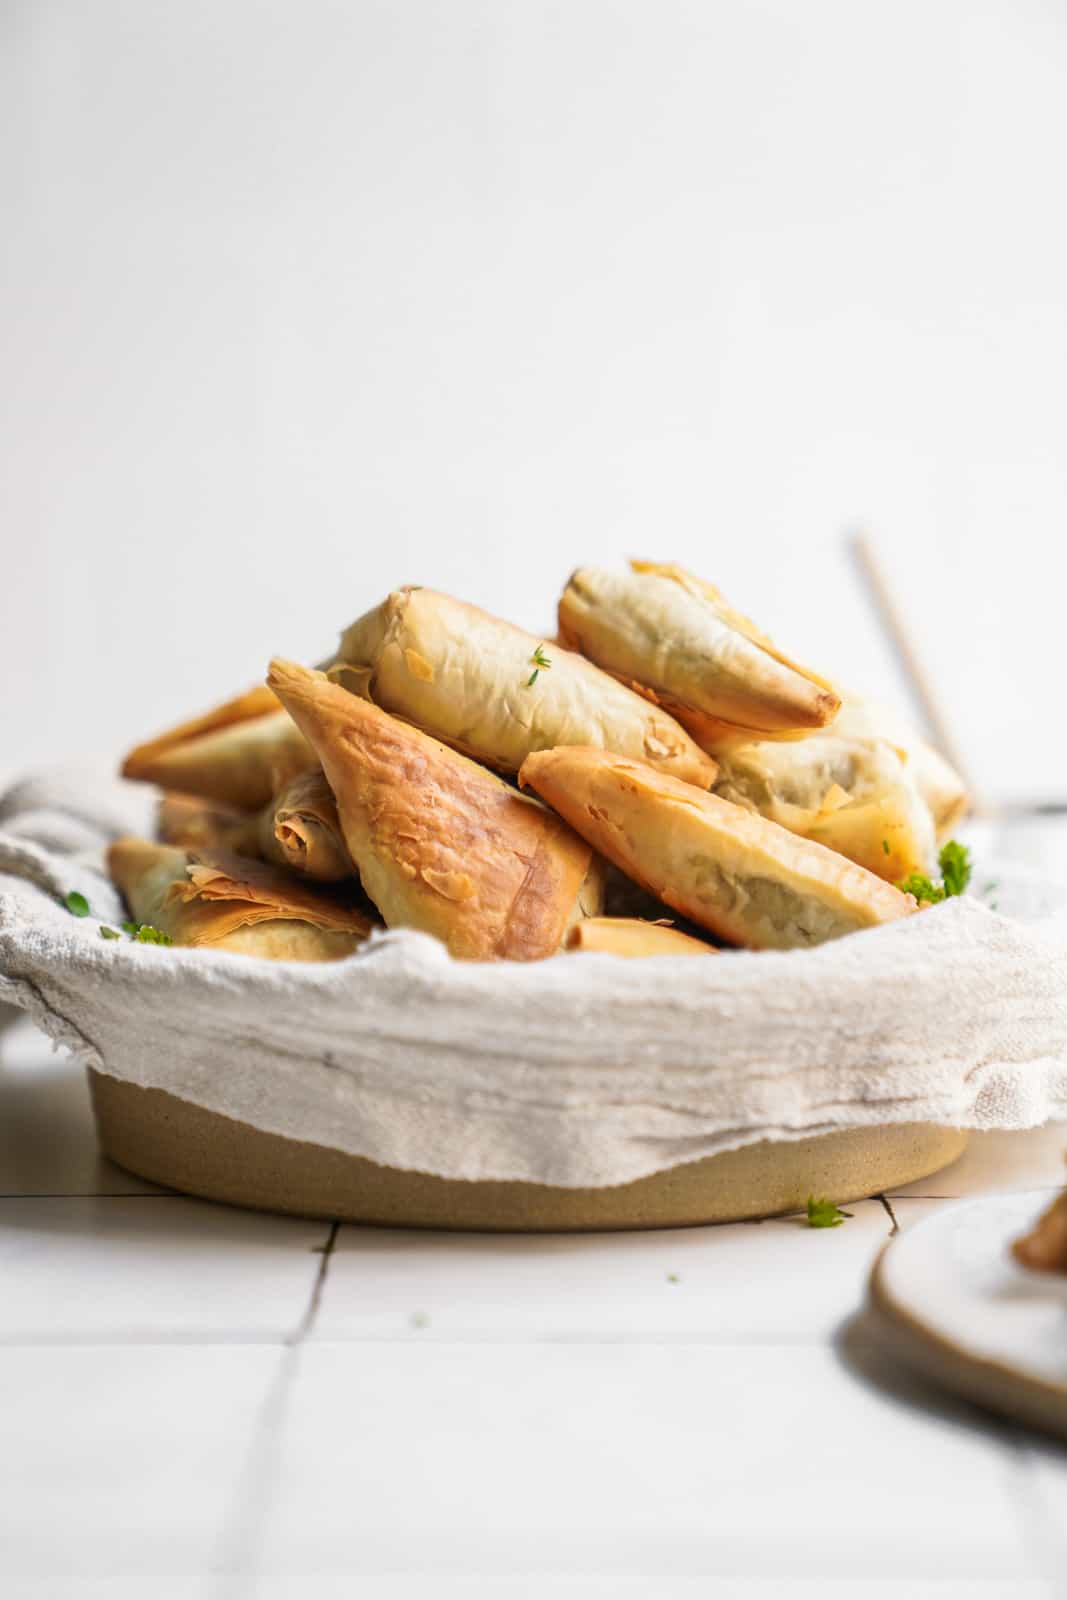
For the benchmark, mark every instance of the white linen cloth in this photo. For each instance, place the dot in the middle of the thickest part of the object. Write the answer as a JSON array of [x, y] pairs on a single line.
[[579, 1071]]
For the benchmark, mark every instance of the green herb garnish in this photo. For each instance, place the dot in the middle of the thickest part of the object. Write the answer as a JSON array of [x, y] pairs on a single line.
[[955, 864], [672, 1277], [922, 887], [140, 932], [885, 846], [824, 1214], [419, 1319], [541, 663]]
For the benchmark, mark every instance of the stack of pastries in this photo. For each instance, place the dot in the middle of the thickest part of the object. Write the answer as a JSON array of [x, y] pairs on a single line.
[[657, 779]]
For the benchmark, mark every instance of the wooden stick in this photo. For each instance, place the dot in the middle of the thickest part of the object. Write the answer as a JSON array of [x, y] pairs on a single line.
[[907, 654]]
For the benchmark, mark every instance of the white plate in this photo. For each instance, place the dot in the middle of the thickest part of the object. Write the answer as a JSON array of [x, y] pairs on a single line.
[[953, 1301]]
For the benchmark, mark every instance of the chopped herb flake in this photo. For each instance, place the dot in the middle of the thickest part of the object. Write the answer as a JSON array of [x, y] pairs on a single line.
[[541, 663], [109, 933], [77, 904], [672, 1277], [885, 846], [146, 934]]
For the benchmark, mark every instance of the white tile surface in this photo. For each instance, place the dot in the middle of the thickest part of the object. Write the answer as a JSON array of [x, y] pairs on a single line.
[[673, 1459], [778, 1280], [1034, 1159], [47, 1140], [148, 1267], [1046, 1468], [126, 1462]]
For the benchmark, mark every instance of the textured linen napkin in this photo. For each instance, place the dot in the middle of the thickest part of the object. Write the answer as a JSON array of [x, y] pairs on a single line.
[[579, 1071]]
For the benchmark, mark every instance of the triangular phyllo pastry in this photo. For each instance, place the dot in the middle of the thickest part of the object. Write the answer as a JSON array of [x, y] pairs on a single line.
[[745, 879], [496, 693], [440, 843], [675, 639]]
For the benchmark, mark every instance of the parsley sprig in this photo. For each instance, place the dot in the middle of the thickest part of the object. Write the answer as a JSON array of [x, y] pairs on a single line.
[[824, 1214], [956, 868], [138, 932], [541, 663]]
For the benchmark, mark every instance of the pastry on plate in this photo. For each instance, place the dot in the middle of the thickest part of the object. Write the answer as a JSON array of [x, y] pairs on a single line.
[[497, 693], [729, 870], [214, 900], [632, 936], [1044, 1248], [440, 843], [856, 796], [240, 754], [676, 639]]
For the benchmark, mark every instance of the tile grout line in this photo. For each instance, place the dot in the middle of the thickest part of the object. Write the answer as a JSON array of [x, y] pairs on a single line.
[[307, 1321], [238, 1552], [890, 1213], [104, 1194]]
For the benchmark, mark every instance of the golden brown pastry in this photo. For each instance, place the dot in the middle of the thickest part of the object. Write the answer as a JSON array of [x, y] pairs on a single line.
[[631, 936], [496, 693], [1044, 1248], [726, 869], [215, 900], [856, 796], [440, 843], [196, 824], [301, 829], [940, 785], [241, 753], [673, 636]]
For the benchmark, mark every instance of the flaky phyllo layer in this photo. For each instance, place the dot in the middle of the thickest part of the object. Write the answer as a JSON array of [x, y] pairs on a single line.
[[216, 900]]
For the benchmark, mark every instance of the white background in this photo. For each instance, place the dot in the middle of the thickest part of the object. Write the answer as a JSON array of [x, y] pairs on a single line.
[[304, 300]]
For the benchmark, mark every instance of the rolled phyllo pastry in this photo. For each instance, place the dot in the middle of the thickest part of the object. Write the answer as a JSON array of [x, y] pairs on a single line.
[[745, 879], [440, 843], [240, 754], [219, 901], [497, 693], [302, 830], [674, 637], [299, 828], [856, 796], [631, 936]]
